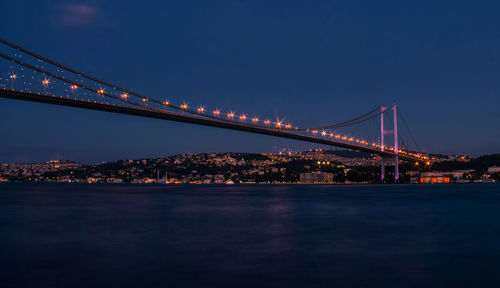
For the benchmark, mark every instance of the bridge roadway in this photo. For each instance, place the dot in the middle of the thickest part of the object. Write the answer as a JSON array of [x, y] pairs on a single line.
[[172, 116]]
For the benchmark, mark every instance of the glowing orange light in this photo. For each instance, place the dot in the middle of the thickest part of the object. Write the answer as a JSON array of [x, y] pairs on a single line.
[[144, 99], [184, 106], [278, 124], [216, 112], [201, 109], [331, 135], [124, 95], [267, 122], [73, 87], [255, 119], [230, 115], [243, 117], [100, 91], [166, 102], [288, 126], [13, 76], [315, 131]]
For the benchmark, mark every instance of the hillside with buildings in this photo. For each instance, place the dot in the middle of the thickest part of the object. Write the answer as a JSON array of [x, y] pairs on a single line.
[[315, 166]]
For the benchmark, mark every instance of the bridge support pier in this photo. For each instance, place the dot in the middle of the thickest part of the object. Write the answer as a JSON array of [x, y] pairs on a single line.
[[394, 132]]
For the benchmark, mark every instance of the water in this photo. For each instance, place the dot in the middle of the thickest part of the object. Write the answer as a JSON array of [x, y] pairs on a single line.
[[59, 235]]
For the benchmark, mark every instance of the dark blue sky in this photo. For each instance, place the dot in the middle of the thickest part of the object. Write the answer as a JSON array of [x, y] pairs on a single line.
[[313, 62]]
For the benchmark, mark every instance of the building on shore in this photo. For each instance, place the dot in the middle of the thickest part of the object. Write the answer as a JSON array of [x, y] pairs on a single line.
[[316, 177]]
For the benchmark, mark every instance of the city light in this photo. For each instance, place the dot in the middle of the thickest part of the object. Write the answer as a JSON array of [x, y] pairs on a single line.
[[230, 115], [13, 76], [100, 91], [267, 122], [255, 119], [184, 106], [45, 82], [201, 109], [73, 87], [216, 112], [243, 117], [166, 102], [124, 95]]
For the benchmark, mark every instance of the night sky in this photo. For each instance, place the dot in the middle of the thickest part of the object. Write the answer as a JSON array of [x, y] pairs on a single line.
[[312, 62]]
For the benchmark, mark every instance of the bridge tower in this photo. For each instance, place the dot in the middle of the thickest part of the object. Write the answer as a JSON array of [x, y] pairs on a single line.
[[394, 132]]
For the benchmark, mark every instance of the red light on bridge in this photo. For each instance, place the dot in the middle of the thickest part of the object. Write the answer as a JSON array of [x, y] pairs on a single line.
[[13, 76], [267, 122], [45, 82], [230, 115], [166, 102], [216, 112], [243, 117], [100, 91], [255, 119], [201, 109], [73, 87], [315, 131], [124, 95], [184, 106]]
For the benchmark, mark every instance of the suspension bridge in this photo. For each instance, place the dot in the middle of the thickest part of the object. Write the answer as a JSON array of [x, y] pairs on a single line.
[[26, 75]]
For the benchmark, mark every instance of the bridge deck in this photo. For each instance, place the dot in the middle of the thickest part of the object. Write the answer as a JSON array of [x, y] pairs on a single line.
[[171, 116]]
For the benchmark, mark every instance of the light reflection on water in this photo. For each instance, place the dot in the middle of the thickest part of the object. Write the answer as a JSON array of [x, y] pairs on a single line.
[[256, 235]]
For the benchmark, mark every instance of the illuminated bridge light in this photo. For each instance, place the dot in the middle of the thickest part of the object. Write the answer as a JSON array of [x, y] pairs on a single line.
[[216, 112], [351, 139], [243, 117], [315, 131], [45, 82], [124, 95], [100, 91], [267, 122], [288, 126], [166, 102], [323, 133], [337, 136], [13, 76], [184, 106], [255, 119], [331, 135], [230, 115], [144, 99], [279, 124], [201, 109], [344, 138], [73, 87]]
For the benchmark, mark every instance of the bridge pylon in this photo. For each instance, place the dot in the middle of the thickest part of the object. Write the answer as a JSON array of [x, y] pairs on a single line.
[[394, 132]]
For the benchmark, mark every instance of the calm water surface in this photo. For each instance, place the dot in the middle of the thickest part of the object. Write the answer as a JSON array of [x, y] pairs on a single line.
[[249, 236]]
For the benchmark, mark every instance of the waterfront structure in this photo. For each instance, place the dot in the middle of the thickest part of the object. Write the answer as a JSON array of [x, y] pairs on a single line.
[[316, 177]]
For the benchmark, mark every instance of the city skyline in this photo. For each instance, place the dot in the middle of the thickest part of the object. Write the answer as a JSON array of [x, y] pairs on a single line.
[[211, 60]]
